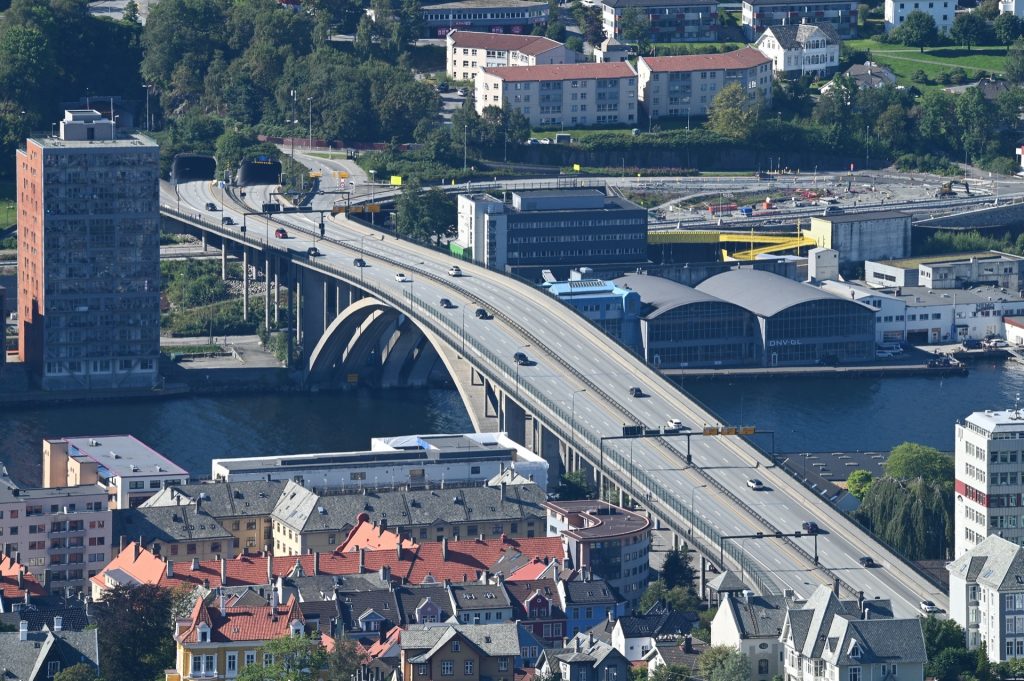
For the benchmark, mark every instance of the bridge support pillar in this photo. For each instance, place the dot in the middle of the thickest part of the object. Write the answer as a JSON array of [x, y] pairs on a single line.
[[297, 310], [291, 312], [491, 408], [549, 450], [337, 299], [514, 420], [702, 576], [277, 294], [224, 259], [203, 234], [245, 283], [327, 319], [267, 262]]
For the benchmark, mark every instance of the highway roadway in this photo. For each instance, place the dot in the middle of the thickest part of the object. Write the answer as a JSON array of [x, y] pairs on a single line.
[[573, 363]]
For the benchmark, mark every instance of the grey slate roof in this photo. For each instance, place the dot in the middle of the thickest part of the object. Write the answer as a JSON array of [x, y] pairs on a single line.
[[225, 499], [674, 654], [304, 510], [480, 597], [23, 661], [762, 617], [879, 641], [762, 293], [74, 616], [590, 592], [657, 622], [355, 604], [492, 639], [1002, 566], [167, 524], [793, 36], [410, 597], [663, 295], [727, 581]]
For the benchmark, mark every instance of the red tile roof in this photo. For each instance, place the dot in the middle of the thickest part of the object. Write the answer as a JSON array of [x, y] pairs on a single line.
[[378, 647], [527, 44], [9, 589], [745, 58], [260, 623], [141, 563], [563, 71], [372, 537]]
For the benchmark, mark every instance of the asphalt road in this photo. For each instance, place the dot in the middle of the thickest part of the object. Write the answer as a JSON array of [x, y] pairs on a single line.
[[729, 461]]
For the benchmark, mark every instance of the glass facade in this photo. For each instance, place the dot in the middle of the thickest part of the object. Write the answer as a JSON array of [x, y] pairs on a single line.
[[702, 334], [818, 329]]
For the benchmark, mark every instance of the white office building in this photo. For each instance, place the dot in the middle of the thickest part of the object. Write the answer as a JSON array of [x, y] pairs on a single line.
[[986, 597], [942, 11], [989, 450]]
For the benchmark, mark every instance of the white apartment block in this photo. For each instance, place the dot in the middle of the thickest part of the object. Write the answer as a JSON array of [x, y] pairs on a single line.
[[61, 535], [469, 51], [562, 95], [989, 451], [671, 21], [942, 11], [686, 85], [1011, 7], [986, 597], [801, 49]]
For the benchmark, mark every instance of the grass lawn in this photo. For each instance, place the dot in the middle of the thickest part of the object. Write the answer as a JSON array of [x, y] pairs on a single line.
[[904, 61]]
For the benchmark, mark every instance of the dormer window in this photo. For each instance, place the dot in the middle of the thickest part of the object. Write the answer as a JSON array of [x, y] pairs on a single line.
[[296, 628], [854, 650], [204, 633]]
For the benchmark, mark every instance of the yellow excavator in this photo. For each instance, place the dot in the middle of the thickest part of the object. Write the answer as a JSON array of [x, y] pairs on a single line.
[[947, 189]]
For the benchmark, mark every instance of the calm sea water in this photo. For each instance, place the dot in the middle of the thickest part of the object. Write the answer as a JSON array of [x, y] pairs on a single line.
[[806, 415]]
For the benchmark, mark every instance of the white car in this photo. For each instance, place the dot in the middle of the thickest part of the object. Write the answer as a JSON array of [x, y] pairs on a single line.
[[929, 608], [674, 424], [402, 277], [755, 484], [454, 271]]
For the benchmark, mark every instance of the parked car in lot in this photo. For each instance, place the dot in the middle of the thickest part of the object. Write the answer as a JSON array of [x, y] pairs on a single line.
[[994, 343], [928, 608], [443, 87], [810, 527], [971, 344], [402, 277], [462, 92], [313, 252], [454, 271], [755, 484], [279, 233], [867, 561], [446, 304]]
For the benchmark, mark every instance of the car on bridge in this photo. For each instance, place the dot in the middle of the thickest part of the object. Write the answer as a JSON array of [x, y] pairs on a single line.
[[359, 262], [403, 278], [447, 304], [210, 205], [521, 359], [755, 484], [454, 271], [929, 608], [313, 252], [810, 527], [867, 561], [482, 313], [227, 220], [279, 233], [636, 392], [674, 424]]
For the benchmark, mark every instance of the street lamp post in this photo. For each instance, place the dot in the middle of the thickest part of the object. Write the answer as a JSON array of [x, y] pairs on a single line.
[[463, 329], [693, 508], [310, 147], [147, 105], [465, 142], [373, 180]]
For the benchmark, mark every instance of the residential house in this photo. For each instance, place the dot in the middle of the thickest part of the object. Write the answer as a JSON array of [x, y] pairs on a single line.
[[469, 51], [986, 596], [423, 604], [381, 659], [473, 652], [40, 655], [609, 541], [686, 85], [636, 635], [536, 604], [18, 587], [752, 624], [612, 50], [179, 532], [365, 615], [681, 653], [942, 11], [801, 49], [726, 582], [671, 21], [864, 76], [305, 521], [73, 615], [824, 639], [518, 17], [481, 603], [243, 508], [219, 641], [757, 15], [586, 601], [990, 88], [584, 658], [561, 95]]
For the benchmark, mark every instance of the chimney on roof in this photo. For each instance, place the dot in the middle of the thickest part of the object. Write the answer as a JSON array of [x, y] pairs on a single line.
[[223, 571], [195, 564], [835, 586], [120, 544], [611, 616], [503, 486], [688, 644], [485, 577], [23, 630], [316, 563], [170, 568], [46, 578], [58, 623], [220, 592], [135, 549], [591, 639], [273, 597], [576, 642], [21, 579], [362, 558], [444, 548], [384, 573]]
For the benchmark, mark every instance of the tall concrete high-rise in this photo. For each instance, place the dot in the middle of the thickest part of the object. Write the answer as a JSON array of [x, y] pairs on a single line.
[[89, 256]]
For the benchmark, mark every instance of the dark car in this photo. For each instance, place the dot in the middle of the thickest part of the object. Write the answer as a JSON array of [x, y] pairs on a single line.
[[359, 262], [280, 233], [482, 313], [210, 205], [227, 220], [636, 392], [971, 344], [443, 87], [520, 358], [810, 527], [313, 252], [867, 561], [446, 304]]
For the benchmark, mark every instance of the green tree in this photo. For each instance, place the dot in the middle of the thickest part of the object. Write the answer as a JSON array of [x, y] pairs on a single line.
[[365, 37], [574, 43], [423, 215], [676, 598], [941, 634], [78, 672], [296, 658], [914, 516], [723, 663], [574, 486], [636, 28], [859, 483], [131, 12], [670, 672], [951, 664], [969, 29], [988, 9], [731, 114], [892, 128], [1015, 61], [1007, 28], [911, 460], [588, 18], [983, 668], [937, 126], [136, 632], [917, 30], [344, 661], [677, 570]]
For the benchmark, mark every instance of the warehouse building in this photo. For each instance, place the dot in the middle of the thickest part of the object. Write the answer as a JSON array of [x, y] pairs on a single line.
[[799, 323], [863, 236]]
